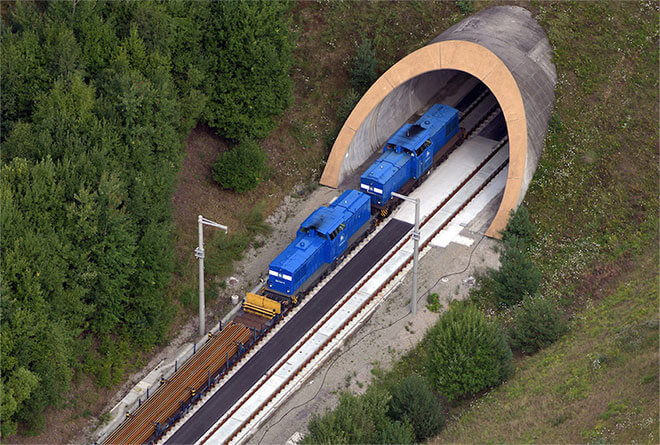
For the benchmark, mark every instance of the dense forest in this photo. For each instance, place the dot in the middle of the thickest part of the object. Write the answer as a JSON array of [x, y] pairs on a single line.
[[97, 98]]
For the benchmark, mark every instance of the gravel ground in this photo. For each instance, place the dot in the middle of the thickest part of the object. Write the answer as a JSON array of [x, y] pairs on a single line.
[[388, 334], [285, 221]]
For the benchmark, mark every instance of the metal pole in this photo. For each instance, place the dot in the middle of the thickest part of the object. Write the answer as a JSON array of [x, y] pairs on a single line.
[[200, 255], [416, 236]]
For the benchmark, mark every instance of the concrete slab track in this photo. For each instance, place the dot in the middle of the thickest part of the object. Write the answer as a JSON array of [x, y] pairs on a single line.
[[234, 388]]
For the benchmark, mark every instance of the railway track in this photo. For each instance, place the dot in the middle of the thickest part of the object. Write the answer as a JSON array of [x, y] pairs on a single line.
[[210, 438], [146, 422], [166, 405]]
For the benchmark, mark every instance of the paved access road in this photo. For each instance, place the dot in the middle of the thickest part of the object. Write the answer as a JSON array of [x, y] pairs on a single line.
[[292, 331]]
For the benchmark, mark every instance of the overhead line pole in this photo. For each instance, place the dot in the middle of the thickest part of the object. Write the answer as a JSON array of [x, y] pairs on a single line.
[[199, 254], [415, 236]]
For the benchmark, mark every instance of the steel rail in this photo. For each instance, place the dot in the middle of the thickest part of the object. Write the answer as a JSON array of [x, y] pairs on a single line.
[[166, 400], [318, 326], [176, 390]]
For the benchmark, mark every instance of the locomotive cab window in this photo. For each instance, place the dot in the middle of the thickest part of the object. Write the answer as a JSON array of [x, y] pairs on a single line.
[[423, 147], [336, 232]]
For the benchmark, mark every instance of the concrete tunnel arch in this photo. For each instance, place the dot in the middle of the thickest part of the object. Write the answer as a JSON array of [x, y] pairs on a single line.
[[503, 47]]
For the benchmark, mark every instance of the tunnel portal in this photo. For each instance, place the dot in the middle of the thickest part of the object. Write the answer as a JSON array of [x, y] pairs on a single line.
[[504, 48]]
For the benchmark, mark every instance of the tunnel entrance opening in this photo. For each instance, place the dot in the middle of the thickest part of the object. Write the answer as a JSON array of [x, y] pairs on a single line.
[[479, 115], [504, 48]]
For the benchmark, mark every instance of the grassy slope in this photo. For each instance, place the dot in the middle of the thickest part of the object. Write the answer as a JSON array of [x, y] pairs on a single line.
[[598, 383], [594, 199]]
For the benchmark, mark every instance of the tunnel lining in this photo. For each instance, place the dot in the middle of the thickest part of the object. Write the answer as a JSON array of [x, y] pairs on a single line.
[[457, 55]]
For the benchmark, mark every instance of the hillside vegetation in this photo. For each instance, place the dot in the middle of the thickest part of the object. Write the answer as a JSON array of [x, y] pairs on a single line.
[[594, 203], [97, 98]]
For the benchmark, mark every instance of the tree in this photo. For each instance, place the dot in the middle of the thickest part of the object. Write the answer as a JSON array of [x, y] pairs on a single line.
[[519, 226], [516, 277], [247, 60], [242, 168], [413, 401], [537, 323], [466, 353], [363, 72]]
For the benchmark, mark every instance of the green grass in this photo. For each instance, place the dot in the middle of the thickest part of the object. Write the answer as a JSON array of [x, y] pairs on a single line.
[[597, 384], [594, 200]]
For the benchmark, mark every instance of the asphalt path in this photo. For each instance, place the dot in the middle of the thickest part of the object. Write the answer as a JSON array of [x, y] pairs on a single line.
[[292, 331]]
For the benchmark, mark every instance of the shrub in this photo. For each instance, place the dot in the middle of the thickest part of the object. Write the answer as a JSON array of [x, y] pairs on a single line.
[[467, 353], [537, 323], [519, 226], [363, 73], [516, 277], [242, 168], [413, 401], [358, 419], [466, 6], [433, 302]]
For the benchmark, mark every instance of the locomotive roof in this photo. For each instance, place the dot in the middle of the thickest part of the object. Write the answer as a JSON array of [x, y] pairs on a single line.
[[323, 220], [411, 136], [326, 219], [297, 253], [386, 166]]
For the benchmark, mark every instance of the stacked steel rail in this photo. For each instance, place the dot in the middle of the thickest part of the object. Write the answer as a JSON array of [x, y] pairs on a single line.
[[174, 397], [186, 385], [308, 334]]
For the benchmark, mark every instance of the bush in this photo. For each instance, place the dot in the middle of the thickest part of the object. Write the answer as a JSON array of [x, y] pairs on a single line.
[[467, 353], [242, 168], [537, 323], [466, 6], [363, 73], [519, 226], [413, 401], [516, 277], [358, 419], [433, 302]]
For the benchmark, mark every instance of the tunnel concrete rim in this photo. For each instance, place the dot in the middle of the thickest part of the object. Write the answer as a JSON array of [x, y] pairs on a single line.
[[458, 55]]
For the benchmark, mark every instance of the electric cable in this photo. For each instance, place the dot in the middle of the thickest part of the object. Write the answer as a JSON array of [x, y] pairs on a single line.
[[338, 356]]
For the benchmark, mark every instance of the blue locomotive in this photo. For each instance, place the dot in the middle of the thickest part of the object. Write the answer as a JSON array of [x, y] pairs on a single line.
[[320, 240], [410, 153], [326, 234]]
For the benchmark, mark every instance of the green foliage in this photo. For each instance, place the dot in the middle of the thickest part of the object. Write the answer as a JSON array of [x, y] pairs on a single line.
[[254, 221], [363, 71], [537, 323], [432, 302], [466, 353], [359, 419], [466, 6], [230, 248], [247, 59], [519, 226], [414, 402], [242, 168], [92, 135], [516, 277], [347, 104]]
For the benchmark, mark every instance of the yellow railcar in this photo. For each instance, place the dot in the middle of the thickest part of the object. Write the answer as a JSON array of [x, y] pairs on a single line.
[[262, 306]]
